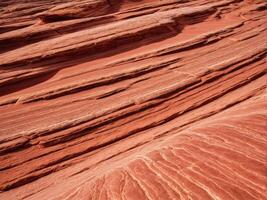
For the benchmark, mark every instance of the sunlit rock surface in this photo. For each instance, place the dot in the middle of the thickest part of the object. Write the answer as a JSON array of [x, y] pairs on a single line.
[[133, 99]]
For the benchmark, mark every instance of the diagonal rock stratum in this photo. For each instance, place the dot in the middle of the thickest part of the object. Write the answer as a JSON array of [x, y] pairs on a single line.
[[133, 99]]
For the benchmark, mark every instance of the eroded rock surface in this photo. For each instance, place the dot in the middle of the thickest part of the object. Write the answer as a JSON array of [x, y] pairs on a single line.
[[133, 99]]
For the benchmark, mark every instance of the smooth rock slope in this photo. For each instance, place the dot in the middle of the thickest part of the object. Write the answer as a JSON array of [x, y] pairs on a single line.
[[133, 99]]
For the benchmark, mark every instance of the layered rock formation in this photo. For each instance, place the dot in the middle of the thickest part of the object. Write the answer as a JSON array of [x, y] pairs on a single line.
[[132, 99]]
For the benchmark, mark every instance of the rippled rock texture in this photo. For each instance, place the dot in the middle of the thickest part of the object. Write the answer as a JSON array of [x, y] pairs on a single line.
[[133, 99]]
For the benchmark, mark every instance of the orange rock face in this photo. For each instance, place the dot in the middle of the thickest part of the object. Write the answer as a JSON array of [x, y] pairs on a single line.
[[133, 100]]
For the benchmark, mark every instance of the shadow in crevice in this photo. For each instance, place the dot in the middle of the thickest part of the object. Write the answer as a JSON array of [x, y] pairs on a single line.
[[47, 21], [81, 10], [124, 44], [105, 49], [26, 83], [12, 43]]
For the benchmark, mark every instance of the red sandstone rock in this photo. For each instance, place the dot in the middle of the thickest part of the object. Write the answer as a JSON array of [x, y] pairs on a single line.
[[133, 99]]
